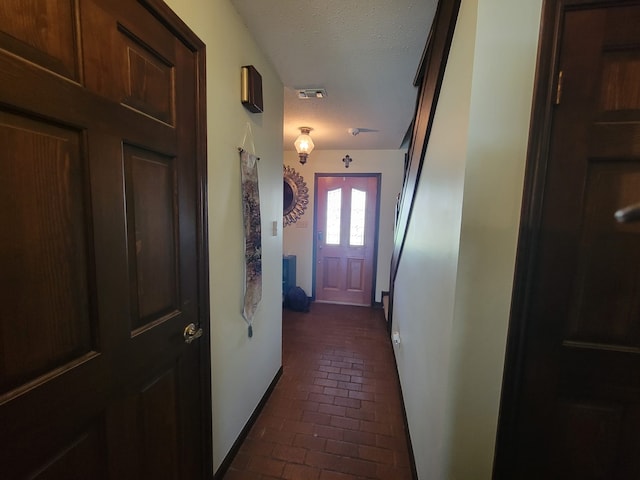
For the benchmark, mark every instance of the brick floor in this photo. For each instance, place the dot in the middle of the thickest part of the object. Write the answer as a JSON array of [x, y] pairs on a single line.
[[335, 413]]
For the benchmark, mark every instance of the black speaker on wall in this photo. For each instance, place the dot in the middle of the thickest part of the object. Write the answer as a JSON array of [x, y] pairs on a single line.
[[251, 91]]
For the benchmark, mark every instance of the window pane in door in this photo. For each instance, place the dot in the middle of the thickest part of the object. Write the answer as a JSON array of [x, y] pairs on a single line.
[[334, 205], [356, 229]]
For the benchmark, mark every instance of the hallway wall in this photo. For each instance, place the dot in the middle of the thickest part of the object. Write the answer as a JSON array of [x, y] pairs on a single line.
[[242, 368], [506, 47], [424, 294], [298, 238], [453, 289]]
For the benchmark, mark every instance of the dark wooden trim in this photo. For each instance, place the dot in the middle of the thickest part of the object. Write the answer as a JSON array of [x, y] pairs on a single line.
[[166, 16], [203, 261], [176, 25], [377, 232], [530, 224], [424, 59], [374, 282], [379, 304], [226, 463], [412, 458], [430, 75], [535, 170]]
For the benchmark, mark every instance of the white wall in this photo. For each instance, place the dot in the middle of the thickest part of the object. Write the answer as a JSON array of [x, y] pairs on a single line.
[[501, 98], [425, 285], [298, 237], [453, 292], [242, 368]]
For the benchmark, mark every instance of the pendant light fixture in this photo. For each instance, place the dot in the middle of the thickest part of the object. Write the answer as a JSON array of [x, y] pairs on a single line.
[[304, 144]]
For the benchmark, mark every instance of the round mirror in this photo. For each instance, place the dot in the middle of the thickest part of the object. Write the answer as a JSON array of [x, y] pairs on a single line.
[[289, 198], [295, 196]]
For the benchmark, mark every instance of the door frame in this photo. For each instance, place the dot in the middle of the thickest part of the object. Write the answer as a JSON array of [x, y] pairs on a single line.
[[378, 177], [537, 162], [180, 29]]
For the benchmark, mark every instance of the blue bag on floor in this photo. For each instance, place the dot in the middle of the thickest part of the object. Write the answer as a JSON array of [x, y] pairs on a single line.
[[296, 299]]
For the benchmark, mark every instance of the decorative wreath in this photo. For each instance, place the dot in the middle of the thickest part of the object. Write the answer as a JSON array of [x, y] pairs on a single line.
[[295, 196]]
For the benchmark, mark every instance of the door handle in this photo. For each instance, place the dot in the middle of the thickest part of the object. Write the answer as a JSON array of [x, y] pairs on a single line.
[[191, 333], [319, 240], [627, 214]]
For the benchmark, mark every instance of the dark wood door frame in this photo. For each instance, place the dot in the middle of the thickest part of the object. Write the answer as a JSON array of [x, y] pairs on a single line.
[[530, 219], [377, 227], [545, 89]]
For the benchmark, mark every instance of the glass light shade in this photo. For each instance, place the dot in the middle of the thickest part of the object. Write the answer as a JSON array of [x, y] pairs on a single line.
[[304, 144]]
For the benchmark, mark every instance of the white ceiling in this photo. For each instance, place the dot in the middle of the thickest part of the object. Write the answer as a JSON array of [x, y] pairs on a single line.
[[365, 53]]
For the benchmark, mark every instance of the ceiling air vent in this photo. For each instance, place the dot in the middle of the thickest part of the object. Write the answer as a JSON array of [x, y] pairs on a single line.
[[312, 93]]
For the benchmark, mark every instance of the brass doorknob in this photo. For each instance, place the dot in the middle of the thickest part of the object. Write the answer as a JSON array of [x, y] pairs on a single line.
[[191, 332]]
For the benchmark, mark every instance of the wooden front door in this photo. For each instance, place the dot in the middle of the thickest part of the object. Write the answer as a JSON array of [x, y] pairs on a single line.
[[102, 263], [576, 414], [345, 238]]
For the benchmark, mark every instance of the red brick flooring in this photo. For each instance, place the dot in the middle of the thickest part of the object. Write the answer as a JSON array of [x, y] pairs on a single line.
[[335, 413]]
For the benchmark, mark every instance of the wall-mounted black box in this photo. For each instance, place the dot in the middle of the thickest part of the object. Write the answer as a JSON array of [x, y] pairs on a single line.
[[251, 90]]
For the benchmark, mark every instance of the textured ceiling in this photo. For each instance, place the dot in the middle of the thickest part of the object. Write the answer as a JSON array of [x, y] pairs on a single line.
[[365, 53]]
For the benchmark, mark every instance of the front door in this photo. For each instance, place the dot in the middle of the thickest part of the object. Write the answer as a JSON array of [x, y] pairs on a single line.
[[100, 243], [577, 413], [346, 238]]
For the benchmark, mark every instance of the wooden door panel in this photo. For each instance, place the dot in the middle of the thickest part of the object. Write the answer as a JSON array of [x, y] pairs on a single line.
[[148, 427], [101, 197], [355, 274], [42, 32], [150, 82], [621, 23], [151, 194], [331, 273], [594, 439], [135, 62], [147, 431], [609, 140], [45, 250], [585, 439], [619, 92], [80, 458], [605, 306], [158, 427], [578, 411], [61, 449]]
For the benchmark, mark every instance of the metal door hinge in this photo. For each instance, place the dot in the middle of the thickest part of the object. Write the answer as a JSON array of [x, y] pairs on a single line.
[[559, 88]]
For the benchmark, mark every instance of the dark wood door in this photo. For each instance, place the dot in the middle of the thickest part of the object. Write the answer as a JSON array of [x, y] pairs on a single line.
[[346, 231], [100, 243], [578, 413]]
